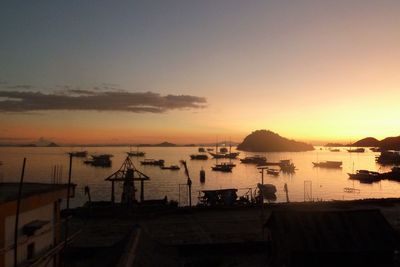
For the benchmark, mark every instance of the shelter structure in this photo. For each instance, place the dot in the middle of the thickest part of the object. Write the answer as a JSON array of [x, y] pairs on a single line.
[[128, 174], [331, 238]]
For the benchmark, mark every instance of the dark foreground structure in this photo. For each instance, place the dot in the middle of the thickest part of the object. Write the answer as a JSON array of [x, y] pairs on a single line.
[[331, 238], [337, 233]]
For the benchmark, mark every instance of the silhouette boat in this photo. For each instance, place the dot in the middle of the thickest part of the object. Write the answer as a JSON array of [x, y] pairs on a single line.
[[375, 149], [273, 172], [102, 160], [222, 167], [287, 166], [79, 154], [356, 150], [334, 150], [172, 167], [201, 149], [199, 156], [223, 150], [365, 176], [328, 164], [136, 153], [210, 149], [259, 160], [154, 162], [232, 155]]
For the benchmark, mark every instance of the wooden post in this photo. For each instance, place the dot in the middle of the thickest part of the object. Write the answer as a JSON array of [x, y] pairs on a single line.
[[17, 214]]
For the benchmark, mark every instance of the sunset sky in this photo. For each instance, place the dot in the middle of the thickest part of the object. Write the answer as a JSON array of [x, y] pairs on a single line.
[[191, 71]]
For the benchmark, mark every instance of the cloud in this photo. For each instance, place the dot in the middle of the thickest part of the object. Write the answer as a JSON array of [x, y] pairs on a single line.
[[79, 99]]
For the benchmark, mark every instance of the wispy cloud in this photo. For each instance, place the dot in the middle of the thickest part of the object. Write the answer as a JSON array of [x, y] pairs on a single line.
[[80, 99]]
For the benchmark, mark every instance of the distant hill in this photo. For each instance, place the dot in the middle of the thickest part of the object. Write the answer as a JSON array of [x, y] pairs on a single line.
[[367, 142], [390, 143], [267, 141], [165, 144]]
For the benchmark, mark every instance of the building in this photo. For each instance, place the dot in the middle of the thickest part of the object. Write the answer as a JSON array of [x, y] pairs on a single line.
[[39, 223], [331, 238]]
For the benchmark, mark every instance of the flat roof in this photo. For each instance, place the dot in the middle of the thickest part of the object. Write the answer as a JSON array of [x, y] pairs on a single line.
[[9, 191]]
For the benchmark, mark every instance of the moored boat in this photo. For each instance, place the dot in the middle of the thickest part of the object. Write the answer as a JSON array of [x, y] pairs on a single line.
[[365, 176], [259, 160], [356, 150], [159, 162], [222, 167], [171, 167], [232, 155], [79, 154], [199, 156], [273, 172], [201, 149], [328, 164]]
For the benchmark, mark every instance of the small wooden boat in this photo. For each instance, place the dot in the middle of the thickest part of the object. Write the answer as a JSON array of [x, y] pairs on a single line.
[[199, 157], [201, 149], [79, 154], [172, 167], [223, 167], [273, 172], [365, 176], [356, 150], [259, 160], [159, 162], [328, 164]]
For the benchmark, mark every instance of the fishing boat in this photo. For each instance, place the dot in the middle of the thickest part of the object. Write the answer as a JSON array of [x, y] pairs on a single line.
[[232, 155], [102, 160], [356, 150], [259, 160], [328, 164], [136, 153], [287, 166], [172, 167], [365, 176], [210, 149], [375, 149], [223, 150], [201, 149], [273, 172], [199, 157], [159, 162], [79, 154], [334, 150], [222, 167]]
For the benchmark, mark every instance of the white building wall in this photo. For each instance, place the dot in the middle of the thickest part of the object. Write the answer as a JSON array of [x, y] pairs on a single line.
[[43, 238]]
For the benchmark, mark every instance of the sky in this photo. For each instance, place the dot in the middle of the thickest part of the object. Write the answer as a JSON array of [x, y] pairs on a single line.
[[196, 71]]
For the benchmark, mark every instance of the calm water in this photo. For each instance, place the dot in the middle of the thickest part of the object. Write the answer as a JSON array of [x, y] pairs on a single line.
[[327, 184]]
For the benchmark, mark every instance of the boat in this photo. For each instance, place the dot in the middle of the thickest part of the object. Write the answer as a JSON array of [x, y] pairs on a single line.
[[135, 154], [199, 156], [232, 155], [79, 154], [201, 149], [334, 150], [328, 164], [210, 149], [172, 167], [273, 172], [356, 150], [222, 167], [159, 162], [259, 160], [102, 160], [287, 166], [223, 150], [365, 176]]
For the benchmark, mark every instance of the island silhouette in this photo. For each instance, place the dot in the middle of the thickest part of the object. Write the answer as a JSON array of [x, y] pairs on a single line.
[[268, 141]]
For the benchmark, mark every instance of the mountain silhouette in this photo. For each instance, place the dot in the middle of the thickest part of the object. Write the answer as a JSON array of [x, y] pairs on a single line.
[[367, 142], [268, 141]]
